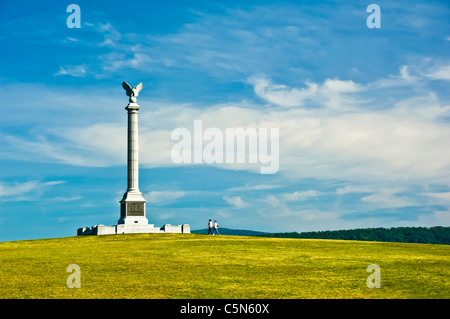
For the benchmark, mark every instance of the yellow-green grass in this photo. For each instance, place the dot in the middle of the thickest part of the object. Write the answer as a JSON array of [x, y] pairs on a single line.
[[200, 266]]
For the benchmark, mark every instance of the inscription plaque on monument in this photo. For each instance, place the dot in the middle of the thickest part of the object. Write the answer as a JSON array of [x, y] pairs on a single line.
[[132, 209], [135, 209]]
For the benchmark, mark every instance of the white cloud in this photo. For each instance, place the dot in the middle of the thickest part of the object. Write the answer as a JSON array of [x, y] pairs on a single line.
[[275, 211], [17, 188], [72, 70], [387, 198], [281, 94], [301, 196], [404, 74], [21, 191], [252, 187], [445, 195], [442, 198], [66, 199], [412, 74], [111, 35], [131, 58], [404, 78], [43, 150], [339, 86], [349, 189], [315, 215], [235, 201], [163, 197], [330, 93], [379, 196], [440, 73]]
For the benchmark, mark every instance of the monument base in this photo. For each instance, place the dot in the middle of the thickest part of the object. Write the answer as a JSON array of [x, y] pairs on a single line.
[[132, 209], [133, 229]]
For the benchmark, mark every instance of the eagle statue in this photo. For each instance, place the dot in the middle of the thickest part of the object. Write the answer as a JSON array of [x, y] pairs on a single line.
[[132, 92]]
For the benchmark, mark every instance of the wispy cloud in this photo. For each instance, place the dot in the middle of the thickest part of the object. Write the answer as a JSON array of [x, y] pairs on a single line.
[[388, 198], [440, 73], [349, 189], [330, 93], [17, 188], [301, 195], [72, 70], [23, 191], [441, 198], [111, 35], [235, 201], [164, 197], [257, 187], [66, 199]]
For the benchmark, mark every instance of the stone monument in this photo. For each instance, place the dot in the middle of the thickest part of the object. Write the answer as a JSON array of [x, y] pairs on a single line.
[[132, 206]]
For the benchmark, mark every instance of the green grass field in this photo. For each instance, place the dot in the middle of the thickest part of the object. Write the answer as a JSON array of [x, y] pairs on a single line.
[[200, 266]]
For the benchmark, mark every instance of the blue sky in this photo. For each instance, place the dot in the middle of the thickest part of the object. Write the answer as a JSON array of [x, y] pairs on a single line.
[[363, 113]]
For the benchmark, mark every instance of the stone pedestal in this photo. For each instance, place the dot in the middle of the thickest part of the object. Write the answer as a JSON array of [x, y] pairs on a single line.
[[132, 210]]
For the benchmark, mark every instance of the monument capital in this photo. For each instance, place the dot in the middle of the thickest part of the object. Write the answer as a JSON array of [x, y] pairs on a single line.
[[132, 106]]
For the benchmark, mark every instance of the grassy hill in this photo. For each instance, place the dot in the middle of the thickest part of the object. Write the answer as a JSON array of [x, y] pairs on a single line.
[[199, 266]]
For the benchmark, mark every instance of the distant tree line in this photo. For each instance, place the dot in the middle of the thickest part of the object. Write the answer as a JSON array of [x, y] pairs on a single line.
[[425, 235]]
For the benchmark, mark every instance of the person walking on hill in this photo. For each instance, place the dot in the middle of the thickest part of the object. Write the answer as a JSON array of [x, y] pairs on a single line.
[[210, 228], [216, 228]]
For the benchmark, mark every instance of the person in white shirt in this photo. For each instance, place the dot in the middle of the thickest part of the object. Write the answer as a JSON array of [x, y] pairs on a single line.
[[210, 228], [216, 228]]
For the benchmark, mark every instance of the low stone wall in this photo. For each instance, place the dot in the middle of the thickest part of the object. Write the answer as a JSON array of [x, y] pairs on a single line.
[[133, 229]]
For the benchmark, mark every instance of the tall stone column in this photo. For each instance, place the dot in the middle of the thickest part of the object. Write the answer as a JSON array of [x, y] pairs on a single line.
[[132, 205], [133, 148]]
